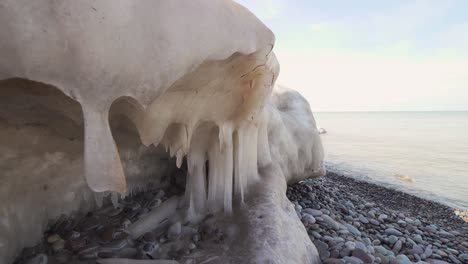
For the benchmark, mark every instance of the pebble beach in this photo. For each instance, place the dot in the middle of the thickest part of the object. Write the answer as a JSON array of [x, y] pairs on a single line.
[[349, 221], [352, 221]]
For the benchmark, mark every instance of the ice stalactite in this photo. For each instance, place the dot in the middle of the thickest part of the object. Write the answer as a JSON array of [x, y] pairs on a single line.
[[231, 154]]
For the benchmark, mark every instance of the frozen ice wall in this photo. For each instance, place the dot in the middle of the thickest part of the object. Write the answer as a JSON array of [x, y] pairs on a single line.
[[93, 92]]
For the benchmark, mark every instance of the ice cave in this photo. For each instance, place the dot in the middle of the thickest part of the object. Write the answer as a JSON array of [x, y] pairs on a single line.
[[102, 100]]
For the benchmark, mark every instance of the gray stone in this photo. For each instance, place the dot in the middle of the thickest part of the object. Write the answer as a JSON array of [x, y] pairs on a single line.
[[360, 245], [174, 230], [353, 260], [464, 256], [312, 212], [367, 241], [383, 259], [398, 245], [454, 259], [316, 235], [417, 238], [445, 234], [374, 222], [308, 219], [363, 219], [333, 261], [330, 222], [392, 239], [403, 259], [428, 251], [382, 217], [350, 245], [322, 249], [417, 249], [345, 252], [381, 250], [442, 253], [393, 231], [436, 261], [362, 255], [452, 251], [353, 230]]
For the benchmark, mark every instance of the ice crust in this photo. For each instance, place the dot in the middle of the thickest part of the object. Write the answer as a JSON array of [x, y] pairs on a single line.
[[91, 92]]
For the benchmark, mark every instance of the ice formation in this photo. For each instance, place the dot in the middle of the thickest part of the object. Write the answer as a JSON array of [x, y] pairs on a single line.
[[91, 92]]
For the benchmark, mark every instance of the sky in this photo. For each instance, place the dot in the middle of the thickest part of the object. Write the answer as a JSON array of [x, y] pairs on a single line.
[[368, 55]]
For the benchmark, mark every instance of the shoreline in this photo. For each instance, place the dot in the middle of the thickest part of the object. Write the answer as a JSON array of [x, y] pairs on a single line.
[[353, 221]]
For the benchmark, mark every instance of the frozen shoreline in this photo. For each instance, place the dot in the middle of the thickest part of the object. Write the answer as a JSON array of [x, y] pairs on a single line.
[[354, 221]]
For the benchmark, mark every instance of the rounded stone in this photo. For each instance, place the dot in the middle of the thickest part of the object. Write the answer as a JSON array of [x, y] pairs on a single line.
[[362, 255], [393, 231], [353, 230]]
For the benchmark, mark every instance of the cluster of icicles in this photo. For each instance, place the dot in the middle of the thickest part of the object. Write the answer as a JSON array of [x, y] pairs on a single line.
[[221, 163]]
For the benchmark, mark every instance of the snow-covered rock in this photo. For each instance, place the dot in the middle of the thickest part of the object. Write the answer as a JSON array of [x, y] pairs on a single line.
[[88, 89]]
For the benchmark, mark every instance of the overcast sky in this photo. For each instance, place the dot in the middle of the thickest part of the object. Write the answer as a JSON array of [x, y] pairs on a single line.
[[371, 55]]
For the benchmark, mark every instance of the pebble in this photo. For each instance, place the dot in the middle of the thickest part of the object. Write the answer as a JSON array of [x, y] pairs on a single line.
[[362, 255], [330, 222], [403, 259], [322, 249], [464, 256], [418, 239], [353, 230], [374, 222], [393, 231], [353, 260], [58, 245], [53, 238], [308, 219], [417, 249], [363, 219], [174, 230], [392, 239], [454, 259], [312, 212], [398, 245]]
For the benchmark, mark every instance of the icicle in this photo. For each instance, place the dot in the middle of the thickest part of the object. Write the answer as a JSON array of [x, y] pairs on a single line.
[[245, 169], [179, 158], [215, 179], [196, 183], [115, 199]]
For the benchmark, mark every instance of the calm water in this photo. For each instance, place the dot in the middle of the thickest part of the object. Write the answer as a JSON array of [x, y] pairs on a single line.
[[421, 153]]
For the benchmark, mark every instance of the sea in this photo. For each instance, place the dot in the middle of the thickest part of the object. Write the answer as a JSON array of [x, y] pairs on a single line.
[[421, 153]]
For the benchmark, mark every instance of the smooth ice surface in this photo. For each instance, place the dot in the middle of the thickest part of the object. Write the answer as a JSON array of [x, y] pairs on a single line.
[[89, 89]]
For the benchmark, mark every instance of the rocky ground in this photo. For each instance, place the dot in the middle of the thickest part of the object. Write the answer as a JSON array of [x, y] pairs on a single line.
[[350, 221]]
